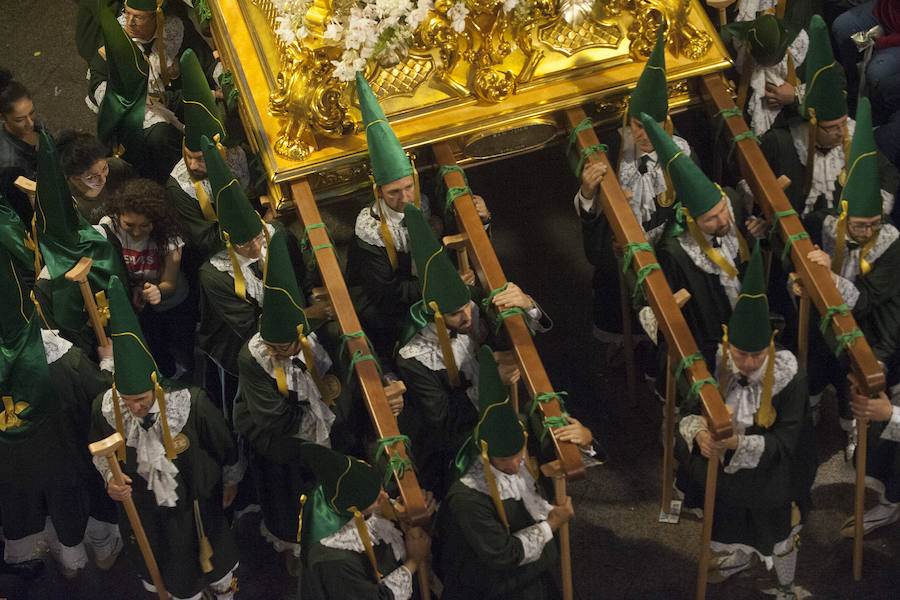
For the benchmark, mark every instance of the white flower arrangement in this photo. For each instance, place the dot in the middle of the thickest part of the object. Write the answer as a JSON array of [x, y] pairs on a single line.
[[290, 19]]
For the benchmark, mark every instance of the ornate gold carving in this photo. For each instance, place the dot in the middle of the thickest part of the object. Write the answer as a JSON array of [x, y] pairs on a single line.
[[404, 78], [309, 100], [590, 34], [682, 37], [340, 176]]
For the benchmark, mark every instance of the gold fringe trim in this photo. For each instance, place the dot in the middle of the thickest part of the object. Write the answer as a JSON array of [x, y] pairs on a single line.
[[446, 347]]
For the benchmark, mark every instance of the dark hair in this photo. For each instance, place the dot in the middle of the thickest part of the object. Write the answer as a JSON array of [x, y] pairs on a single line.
[[11, 91], [78, 151], [148, 198]]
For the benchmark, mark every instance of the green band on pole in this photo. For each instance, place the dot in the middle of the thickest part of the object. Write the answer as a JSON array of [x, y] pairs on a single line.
[[695, 387], [641, 276], [586, 123], [847, 339], [790, 242], [397, 465], [589, 151], [545, 397], [554, 423], [454, 193], [687, 362], [779, 215], [747, 135], [630, 249], [830, 312]]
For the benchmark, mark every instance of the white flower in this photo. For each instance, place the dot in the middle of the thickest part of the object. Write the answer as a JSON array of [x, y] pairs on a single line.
[[333, 31], [285, 32], [302, 33], [457, 15], [343, 71], [419, 14]]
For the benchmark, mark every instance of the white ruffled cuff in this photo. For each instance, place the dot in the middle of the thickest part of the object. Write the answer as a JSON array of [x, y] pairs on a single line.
[[108, 364], [848, 291], [689, 427], [892, 429], [533, 539], [399, 581], [749, 451]]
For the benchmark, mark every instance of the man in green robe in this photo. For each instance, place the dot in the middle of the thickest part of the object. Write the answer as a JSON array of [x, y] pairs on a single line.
[[47, 386], [768, 464], [437, 359], [495, 528], [352, 548], [177, 448], [812, 149]]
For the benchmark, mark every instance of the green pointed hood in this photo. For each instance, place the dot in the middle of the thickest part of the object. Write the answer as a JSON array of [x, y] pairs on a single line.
[[389, 161], [767, 37], [650, 94], [12, 239], [201, 116], [121, 117], [438, 278], [347, 483], [237, 219], [498, 426], [749, 328], [863, 190], [134, 363], [15, 304], [825, 95], [143, 4], [693, 189], [284, 307]]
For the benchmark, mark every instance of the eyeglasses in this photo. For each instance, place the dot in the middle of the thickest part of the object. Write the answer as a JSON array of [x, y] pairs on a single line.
[[96, 177], [863, 227]]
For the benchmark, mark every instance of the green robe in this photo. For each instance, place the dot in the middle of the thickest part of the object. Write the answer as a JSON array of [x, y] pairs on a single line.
[[480, 559], [203, 235], [171, 530]]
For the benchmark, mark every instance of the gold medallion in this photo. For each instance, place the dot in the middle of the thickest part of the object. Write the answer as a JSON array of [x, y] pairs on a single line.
[[330, 389], [665, 200], [181, 443]]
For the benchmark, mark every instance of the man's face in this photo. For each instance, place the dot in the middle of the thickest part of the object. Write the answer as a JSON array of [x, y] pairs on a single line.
[[831, 133], [716, 221], [461, 320], [140, 24], [748, 363], [399, 192], [863, 229], [19, 121], [196, 164], [641, 140], [282, 351], [509, 465], [251, 249], [139, 404]]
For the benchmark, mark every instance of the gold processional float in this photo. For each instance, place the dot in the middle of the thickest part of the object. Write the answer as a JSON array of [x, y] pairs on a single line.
[[491, 77]]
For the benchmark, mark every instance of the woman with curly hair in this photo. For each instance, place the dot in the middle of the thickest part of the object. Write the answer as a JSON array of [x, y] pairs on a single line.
[[146, 226]]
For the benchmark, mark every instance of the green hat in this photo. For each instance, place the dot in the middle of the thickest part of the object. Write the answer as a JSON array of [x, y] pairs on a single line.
[[134, 363], [347, 483], [201, 116], [12, 238], [498, 427], [283, 315], [825, 97], [749, 328], [650, 94], [121, 116], [144, 4], [863, 190], [438, 277], [237, 219], [389, 161], [693, 188], [767, 37], [15, 305]]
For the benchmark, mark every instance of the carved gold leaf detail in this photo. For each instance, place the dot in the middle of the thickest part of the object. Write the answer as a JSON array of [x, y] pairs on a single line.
[[402, 79], [589, 34]]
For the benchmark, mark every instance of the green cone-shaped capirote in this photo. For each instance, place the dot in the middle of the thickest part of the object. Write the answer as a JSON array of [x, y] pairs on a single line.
[[863, 190], [134, 363], [498, 425], [121, 117], [767, 37], [389, 161], [283, 303], [143, 4], [201, 116], [650, 94], [693, 188], [749, 328], [825, 97], [438, 278], [237, 219]]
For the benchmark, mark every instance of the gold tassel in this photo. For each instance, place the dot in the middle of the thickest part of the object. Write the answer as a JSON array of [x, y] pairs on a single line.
[[240, 286], [161, 43], [840, 242], [9, 417], [34, 245], [218, 140], [300, 517], [206, 550], [367, 542], [492, 485], [625, 123], [446, 347], [765, 416], [810, 152], [120, 427], [417, 197], [842, 177], [280, 379], [723, 368], [383, 228], [864, 265], [40, 312], [167, 435]]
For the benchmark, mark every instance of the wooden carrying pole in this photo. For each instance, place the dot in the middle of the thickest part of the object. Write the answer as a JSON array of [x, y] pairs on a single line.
[[667, 310], [107, 448], [79, 274], [553, 471], [817, 282], [489, 272], [369, 379]]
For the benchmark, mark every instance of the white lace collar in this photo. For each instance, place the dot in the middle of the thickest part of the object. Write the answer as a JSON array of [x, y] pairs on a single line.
[[152, 464], [850, 267], [826, 168], [425, 348], [54, 344], [381, 530], [315, 424], [744, 400], [747, 9], [729, 249], [254, 285], [173, 34], [520, 486], [646, 187], [368, 227]]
